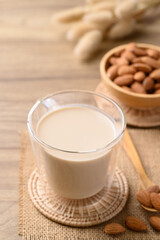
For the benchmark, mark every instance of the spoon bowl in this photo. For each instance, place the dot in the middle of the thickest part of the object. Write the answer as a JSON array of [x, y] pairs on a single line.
[[145, 181]]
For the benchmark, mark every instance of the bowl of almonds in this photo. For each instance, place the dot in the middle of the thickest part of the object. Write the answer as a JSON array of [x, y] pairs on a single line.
[[132, 73]]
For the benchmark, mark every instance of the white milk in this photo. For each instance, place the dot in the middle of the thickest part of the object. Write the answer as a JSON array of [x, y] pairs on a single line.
[[76, 129]]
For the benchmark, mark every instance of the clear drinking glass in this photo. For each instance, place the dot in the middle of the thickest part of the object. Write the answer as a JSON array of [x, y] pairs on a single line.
[[70, 174]]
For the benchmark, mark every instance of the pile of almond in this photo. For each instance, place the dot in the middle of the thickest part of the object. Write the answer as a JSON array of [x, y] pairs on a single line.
[[149, 198], [135, 69], [134, 224]]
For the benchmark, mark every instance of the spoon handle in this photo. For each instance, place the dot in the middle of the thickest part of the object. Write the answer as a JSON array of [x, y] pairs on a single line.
[[135, 159]]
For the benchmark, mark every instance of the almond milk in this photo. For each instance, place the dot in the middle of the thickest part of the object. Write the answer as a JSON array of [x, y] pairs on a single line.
[[77, 164]]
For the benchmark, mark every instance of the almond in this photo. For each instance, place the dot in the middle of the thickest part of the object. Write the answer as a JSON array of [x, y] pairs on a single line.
[[148, 83], [155, 74], [138, 51], [124, 80], [118, 53], [157, 91], [152, 53], [135, 224], [155, 200], [114, 228], [136, 60], [113, 60], [138, 87], [127, 88], [154, 188], [112, 71], [139, 76], [155, 222], [122, 61], [144, 198], [130, 46], [123, 70], [119, 61], [151, 62], [142, 67], [128, 55], [157, 86]]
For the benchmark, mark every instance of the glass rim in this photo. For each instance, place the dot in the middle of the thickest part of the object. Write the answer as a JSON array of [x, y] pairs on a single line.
[[107, 146]]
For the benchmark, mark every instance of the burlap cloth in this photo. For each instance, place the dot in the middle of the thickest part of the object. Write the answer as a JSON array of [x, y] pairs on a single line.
[[34, 226]]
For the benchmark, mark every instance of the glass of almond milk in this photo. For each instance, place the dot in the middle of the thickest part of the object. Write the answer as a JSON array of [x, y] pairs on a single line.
[[74, 135]]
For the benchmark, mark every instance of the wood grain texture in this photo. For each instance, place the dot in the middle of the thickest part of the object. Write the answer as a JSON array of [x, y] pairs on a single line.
[[36, 60]]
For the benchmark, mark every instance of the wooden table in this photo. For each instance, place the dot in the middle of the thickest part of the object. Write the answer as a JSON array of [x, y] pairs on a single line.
[[36, 60]]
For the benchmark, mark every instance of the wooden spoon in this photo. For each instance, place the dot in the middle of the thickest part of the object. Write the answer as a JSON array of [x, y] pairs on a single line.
[[145, 182]]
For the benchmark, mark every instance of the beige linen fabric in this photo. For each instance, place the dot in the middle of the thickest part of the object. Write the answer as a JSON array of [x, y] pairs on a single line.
[[34, 226]]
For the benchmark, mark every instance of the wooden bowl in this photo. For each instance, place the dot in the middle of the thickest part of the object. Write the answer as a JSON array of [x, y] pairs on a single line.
[[135, 100]]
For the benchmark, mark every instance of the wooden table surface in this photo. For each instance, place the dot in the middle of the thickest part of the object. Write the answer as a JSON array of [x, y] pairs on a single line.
[[36, 60]]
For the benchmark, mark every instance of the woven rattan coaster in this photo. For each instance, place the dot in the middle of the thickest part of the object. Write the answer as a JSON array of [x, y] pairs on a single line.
[[79, 213], [134, 117]]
